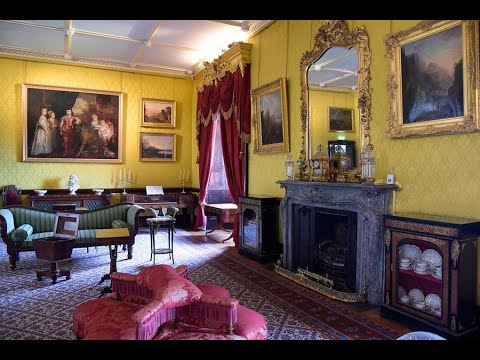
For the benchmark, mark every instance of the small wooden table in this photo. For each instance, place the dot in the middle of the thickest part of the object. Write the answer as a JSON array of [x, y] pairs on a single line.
[[225, 213], [154, 224], [112, 238], [53, 250]]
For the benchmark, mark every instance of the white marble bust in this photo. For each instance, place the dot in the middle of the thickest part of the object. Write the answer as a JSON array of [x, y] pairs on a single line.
[[72, 184]]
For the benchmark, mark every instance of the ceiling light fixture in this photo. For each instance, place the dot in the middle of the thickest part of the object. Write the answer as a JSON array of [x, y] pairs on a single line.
[[189, 72], [70, 32]]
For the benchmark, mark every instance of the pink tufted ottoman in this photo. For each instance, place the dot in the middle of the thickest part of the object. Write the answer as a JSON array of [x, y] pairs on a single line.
[[250, 325], [161, 303]]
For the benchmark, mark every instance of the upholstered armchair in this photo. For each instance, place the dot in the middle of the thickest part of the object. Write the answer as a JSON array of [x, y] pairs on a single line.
[[160, 303], [11, 195]]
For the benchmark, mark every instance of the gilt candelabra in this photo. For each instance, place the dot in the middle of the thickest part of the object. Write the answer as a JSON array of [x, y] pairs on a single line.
[[184, 177]]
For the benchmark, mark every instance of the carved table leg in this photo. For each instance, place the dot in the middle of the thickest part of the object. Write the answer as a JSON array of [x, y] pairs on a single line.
[[113, 268], [54, 273]]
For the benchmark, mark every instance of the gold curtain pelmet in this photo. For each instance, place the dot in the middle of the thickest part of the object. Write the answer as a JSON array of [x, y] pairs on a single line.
[[238, 56]]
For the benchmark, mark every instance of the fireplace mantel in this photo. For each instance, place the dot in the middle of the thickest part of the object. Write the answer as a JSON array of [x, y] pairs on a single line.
[[369, 201]]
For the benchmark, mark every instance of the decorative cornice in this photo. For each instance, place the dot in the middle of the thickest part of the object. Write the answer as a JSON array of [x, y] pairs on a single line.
[[257, 26], [237, 56], [56, 57]]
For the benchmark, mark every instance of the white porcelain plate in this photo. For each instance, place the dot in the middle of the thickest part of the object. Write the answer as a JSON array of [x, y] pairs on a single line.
[[432, 257], [410, 251], [416, 295], [421, 272], [433, 301], [401, 291]]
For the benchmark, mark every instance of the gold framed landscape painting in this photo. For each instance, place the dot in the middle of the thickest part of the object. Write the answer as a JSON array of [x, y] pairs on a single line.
[[433, 79], [340, 119], [158, 113], [157, 146], [71, 125], [270, 116]]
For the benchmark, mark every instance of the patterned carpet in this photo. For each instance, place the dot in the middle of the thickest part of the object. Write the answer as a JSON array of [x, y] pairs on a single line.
[[31, 309]]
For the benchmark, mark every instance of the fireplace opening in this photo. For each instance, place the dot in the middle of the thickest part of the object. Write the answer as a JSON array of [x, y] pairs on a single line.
[[327, 246]]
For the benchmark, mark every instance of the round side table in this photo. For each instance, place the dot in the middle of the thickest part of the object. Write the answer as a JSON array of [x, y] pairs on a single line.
[[154, 224]]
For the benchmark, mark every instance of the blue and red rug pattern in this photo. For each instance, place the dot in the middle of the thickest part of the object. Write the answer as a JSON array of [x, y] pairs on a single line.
[[31, 309]]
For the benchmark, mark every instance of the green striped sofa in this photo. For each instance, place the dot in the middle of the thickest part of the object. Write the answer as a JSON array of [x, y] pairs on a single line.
[[19, 225]]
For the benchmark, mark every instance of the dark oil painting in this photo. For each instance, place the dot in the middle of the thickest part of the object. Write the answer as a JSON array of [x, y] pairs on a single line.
[[271, 118], [432, 77]]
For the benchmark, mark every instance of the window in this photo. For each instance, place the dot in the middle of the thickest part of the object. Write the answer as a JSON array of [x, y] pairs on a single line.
[[217, 188]]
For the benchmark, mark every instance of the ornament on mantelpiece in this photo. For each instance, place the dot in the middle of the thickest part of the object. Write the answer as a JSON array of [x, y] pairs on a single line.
[[72, 184], [367, 163]]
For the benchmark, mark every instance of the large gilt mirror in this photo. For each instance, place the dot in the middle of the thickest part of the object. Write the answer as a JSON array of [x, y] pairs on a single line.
[[336, 94]]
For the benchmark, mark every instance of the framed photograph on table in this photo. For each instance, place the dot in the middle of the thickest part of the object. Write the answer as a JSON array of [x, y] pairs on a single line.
[[71, 125], [158, 113], [340, 119], [157, 147], [433, 79], [270, 116]]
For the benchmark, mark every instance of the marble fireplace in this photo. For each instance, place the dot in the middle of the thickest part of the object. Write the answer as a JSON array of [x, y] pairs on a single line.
[[333, 237]]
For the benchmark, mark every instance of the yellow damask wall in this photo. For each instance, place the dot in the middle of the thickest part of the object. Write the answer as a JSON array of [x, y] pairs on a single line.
[[439, 174], [134, 86]]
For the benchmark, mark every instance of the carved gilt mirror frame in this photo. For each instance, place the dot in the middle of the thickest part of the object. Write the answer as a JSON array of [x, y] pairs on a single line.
[[335, 33]]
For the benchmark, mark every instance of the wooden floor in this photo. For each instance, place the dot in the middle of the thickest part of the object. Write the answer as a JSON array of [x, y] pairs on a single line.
[[370, 311]]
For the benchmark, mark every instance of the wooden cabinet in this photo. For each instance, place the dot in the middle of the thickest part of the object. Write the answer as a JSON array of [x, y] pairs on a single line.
[[431, 273], [259, 228], [87, 201]]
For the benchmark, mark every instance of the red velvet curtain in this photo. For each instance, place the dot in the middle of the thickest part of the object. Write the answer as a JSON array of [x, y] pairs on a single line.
[[205, 140], [230, 98]]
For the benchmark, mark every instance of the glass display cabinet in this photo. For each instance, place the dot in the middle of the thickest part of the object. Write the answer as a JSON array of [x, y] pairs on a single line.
[[431, 273], [259, 228]]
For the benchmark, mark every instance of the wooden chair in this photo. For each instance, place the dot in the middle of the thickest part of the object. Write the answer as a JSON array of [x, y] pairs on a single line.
[[11, 195]]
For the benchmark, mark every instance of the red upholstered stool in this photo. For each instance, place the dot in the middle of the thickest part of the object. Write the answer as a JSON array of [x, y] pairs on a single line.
[[250, 325], [161, 303], [105, 318]]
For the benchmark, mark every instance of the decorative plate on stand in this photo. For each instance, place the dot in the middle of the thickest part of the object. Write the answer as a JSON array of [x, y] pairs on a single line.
[[410, 251], [432, 257], [417, 295]]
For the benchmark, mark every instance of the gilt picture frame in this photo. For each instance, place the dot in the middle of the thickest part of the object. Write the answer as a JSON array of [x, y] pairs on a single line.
[[158, 113], [158, 146], [340, 119], [433, 77], [270, 116], [71, 125]]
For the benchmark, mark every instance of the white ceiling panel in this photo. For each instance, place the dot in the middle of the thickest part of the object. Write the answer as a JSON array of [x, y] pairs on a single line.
[[169, 57], [24, 37], [188, 33], [135, 29], [174, 47], [56, 23], [103, 48]]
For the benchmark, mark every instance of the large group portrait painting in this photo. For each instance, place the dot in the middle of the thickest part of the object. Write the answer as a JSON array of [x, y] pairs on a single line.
[[71, 126]]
